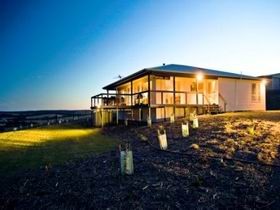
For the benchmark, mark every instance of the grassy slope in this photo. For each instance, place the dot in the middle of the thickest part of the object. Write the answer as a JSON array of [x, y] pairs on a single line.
[[257, 115], [53, 145]]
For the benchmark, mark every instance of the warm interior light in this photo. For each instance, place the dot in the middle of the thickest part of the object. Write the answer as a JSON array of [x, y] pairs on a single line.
[[199, 76]]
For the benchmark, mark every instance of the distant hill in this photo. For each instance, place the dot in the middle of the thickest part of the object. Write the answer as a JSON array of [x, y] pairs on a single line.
[[26, 119]]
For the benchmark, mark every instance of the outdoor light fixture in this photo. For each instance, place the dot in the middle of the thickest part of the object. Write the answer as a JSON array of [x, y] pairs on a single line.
[[199, 76], [264, 81]]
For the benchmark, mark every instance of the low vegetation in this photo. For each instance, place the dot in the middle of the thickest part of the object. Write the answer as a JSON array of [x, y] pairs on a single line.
[[48, 146], [250, 136]]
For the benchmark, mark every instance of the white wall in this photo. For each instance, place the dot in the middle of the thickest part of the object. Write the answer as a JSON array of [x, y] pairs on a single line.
[[238, 94]]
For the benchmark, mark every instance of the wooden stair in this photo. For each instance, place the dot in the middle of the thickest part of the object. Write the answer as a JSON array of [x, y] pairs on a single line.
[[213, 109]]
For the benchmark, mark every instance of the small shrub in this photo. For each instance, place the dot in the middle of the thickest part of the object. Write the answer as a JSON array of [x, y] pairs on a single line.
[[195, 146], [251, 130], [143, 137]]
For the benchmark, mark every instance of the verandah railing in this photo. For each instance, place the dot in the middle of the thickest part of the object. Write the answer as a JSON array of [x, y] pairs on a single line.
[[154, 97]]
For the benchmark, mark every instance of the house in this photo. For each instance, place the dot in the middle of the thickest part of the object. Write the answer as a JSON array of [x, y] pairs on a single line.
[[272, 91], [175, 90]]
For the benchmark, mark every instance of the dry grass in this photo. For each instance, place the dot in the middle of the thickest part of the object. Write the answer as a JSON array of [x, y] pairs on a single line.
[[253, 133], [260, 137], [245, 135]]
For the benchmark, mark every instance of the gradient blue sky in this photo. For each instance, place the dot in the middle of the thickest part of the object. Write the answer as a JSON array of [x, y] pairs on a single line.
[[57, 54]]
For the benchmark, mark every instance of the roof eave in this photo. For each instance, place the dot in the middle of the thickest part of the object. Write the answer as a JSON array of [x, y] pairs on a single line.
[[145, 71], [245, 77], [126, 79]]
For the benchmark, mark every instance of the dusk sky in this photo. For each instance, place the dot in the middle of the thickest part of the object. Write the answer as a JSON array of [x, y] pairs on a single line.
[[57, 54]]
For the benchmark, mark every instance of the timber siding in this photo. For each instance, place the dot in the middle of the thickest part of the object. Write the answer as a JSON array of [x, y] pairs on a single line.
[[238, 94]]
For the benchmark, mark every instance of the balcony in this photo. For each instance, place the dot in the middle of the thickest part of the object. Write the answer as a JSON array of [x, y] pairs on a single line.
[[154, 98]]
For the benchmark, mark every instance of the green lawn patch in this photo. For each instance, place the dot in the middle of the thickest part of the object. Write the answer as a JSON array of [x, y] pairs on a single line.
[[33, 148]]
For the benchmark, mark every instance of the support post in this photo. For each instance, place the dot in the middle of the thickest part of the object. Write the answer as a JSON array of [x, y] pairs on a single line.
[[164, 112], [203, 98], [131, 92], [139, 114], [196, 92], [149, 97], [149, 119], [196, 95], [101, 100], [101, 111], [107, 101], [149, 91]]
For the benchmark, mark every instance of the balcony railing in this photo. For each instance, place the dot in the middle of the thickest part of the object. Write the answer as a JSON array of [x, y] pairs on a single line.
[[155, 97]]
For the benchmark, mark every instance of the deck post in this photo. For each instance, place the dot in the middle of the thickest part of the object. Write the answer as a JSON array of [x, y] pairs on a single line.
[[107, 101], [131, 93], [102, 100], [149, 96], [164, 108], [149, 91], [196, 95], [139, 114], [196, 92], [101, 112]]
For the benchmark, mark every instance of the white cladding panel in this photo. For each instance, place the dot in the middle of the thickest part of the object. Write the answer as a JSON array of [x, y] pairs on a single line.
[[238, 94]]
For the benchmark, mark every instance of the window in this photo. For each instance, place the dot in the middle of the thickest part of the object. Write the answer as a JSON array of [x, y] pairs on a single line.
[[140, 85], [180, 98], [124, 89], [193, 86], [182, 84], [164, 83], [167, 98], [200, 86], [141, 98], [124, 99], [255, 91], [211, 87]]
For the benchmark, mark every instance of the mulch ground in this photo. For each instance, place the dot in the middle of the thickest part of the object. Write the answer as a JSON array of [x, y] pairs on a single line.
[[201, 171]]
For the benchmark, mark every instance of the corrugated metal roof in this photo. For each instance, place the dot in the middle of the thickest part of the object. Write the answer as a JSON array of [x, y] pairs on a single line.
[[180, 69], [277, 75], [193, 70]]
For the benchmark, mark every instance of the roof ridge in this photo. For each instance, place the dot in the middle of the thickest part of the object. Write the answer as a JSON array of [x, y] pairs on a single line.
[[203, 68]]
